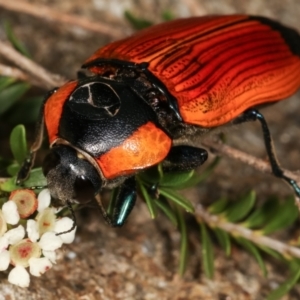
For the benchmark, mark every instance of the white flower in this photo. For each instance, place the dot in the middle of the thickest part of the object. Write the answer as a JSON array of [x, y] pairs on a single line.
[[50, 254], [21, 252], [3, 243], [34, 247], [15, 235], [32, 230], [38, 266], [10, 212], [44, 200], [19, 276], [46, 220], [3, 225], [62, 225], [50, 241], [4, 260]]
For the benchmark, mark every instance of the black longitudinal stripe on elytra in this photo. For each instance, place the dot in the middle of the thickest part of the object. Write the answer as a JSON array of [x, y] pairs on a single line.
[[216, 55], [291, 36], [244, 71], [194, 42], [242, 92], [93, 130], [216, 72], [193, 39], [219, 74], [185, 41]]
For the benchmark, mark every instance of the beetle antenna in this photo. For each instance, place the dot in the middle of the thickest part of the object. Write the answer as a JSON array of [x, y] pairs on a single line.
[[73, 218], [104, 213]]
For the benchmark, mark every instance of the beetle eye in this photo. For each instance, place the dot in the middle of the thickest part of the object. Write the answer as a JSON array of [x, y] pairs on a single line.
[[84, 189], [50, 162]]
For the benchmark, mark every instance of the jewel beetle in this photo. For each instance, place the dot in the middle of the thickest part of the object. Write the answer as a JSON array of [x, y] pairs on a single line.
[[150, 94]]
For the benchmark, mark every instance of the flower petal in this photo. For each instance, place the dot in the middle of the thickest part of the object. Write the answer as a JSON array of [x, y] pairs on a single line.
[[4, 260], [51, 255], [15, 235], [19, 276], [32, 230], [46, 220], [44, 200], [3, 243], [38, 266], [65, 224], [50, 241], [3, 225], [10, 212]]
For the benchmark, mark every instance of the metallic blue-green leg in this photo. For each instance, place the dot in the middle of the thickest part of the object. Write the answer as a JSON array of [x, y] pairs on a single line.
[[123, 203]]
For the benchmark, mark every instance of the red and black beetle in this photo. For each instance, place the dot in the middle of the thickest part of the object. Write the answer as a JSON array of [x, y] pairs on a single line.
[[163, 85]]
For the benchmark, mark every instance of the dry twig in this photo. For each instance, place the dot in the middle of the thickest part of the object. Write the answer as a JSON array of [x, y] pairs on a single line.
[[46, 79], [45, 13], [237, 230], [16, 73], [196, 9], [256, 163]]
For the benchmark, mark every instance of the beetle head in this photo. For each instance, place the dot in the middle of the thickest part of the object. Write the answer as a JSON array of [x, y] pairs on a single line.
[[70, 176]]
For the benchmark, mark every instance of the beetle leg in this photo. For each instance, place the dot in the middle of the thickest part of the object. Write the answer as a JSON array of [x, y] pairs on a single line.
[[184, 158], [29, 161], [253, 115], [122, 205]]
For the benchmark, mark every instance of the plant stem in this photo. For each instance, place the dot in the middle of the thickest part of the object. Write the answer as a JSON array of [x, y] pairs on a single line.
[[237, 230]]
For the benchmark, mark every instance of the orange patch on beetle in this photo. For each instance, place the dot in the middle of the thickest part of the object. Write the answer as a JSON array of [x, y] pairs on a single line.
[[147, 146], [54, 106]]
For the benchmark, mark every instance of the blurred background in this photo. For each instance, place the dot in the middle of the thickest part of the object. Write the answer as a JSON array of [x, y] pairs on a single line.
[[140, 260]]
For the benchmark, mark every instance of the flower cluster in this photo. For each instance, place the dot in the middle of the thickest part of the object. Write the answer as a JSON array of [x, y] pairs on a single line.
[[30, 234]]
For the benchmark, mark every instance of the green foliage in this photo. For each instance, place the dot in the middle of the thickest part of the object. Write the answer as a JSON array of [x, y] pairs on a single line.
[[135, 22], [285, 287], [140, 23], [283, 216], [25, 111], [223, 239], [10, 93], [19, 149], [167, 15], [183, 242], [249, 246], [18, 45], [271, 216], [149, 200], [239, 209], [14, 107], [18, 143], [207, 252]]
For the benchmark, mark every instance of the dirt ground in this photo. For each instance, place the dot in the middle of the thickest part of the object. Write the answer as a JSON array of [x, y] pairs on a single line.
[[139, 261]]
